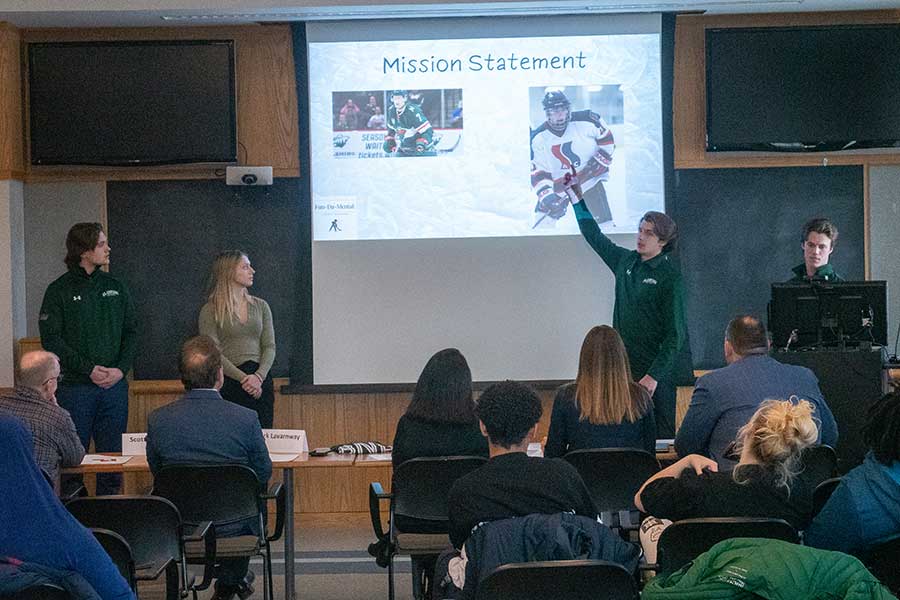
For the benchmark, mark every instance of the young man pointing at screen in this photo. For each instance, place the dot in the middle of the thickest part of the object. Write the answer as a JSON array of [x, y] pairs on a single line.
[[649, 308]]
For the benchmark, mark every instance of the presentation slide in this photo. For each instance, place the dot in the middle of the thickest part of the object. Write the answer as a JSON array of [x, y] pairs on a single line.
[[440, 213], [473, 137]]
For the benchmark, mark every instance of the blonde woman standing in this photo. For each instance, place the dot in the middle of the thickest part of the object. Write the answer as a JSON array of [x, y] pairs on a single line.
[[604, 408], [241, 326]]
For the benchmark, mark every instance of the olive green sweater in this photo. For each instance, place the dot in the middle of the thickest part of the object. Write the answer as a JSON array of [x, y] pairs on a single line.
[[240, 342]]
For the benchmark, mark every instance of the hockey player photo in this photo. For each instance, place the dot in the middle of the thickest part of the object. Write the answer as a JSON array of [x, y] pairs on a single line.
[[570, 141], [409, 133]]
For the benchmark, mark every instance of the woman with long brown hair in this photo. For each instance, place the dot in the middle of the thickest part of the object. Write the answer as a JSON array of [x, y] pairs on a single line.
[[241, 326], [604, 407]]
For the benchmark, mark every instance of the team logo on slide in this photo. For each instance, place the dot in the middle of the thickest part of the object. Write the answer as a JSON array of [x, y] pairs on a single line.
[[340, 140], [566, 157]]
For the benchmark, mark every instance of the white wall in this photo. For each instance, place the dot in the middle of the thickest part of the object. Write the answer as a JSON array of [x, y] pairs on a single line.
[[884, 229], [12, 276]]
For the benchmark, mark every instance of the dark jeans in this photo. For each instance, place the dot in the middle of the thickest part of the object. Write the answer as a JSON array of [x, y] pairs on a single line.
[[664, 409], [231, 571], [264, 407], [102, 415]]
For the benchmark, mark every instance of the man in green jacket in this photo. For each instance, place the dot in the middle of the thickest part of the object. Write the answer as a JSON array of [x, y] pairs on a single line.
[[818, 240], [87, 319], [649, 308]]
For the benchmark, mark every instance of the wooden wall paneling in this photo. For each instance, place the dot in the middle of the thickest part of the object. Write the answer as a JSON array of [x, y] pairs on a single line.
[[689, 88], [12, 159], [266, 100]]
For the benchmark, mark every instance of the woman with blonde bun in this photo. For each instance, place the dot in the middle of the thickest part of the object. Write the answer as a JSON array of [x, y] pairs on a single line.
[[762, 484]]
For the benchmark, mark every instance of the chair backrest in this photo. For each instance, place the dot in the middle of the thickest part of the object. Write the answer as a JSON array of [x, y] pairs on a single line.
[[560, 580], [151, 525], [683, 541], [817, 464], [219, 493], [823, 492], [613, 475], [420, 486], [884, 562], [119, 551]]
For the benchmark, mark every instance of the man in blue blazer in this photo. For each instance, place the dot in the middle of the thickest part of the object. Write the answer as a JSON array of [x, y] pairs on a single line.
[[203, 428], [725, 399]]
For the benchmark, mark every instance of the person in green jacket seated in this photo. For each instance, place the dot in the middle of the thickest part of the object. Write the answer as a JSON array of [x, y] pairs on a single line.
[[818, 240]]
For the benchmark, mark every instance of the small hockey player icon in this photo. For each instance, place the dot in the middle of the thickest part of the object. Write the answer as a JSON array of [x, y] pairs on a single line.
[[334, 226]]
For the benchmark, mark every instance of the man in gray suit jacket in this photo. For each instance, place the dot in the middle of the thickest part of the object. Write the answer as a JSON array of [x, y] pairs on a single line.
[[725, 399], [203, 428]]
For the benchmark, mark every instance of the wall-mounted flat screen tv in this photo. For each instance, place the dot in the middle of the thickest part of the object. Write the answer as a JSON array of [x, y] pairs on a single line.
[[132, 103], [803, 89]]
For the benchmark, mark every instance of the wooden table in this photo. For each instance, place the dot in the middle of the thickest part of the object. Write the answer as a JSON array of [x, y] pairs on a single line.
[[138, 464]]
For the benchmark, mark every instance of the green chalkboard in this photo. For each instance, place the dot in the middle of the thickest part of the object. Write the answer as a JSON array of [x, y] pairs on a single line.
[[739, 230], [164, 236]]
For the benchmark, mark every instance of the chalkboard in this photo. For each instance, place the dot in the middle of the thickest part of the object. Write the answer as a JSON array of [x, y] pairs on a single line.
[[164, 236], [739, 231]]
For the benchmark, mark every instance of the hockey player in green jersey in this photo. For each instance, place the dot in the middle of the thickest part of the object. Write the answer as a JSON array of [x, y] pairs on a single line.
[[408, 131]]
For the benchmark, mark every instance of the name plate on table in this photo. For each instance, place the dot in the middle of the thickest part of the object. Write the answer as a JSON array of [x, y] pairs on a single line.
[[134, 444], [285, 441]]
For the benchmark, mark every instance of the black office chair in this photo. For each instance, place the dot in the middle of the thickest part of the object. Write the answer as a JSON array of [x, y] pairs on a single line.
[[224, 494], [560, 580], [884, 562], [818, 463], [41, 591], [823, 492], [418, 521], [153, 528], [119, 552], [683, 541], [613, 476]]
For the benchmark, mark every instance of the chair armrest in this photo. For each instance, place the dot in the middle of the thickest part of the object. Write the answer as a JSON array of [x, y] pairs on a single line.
[[376, 495], [276, 493], [200, 532], [78, 492], [206, 532], [151, 571]]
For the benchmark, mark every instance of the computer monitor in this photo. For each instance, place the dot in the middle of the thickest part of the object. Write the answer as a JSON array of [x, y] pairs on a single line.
[[824, 314]]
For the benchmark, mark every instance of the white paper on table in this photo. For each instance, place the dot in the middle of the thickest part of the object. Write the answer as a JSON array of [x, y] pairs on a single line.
[[134, 444], [277, 458], [285, 441], [378, 456], [534, 449], [102, 459]]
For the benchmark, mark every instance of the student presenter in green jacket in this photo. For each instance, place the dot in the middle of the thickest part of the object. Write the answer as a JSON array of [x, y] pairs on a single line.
[[649, 308], [88, 320], [818, 240]]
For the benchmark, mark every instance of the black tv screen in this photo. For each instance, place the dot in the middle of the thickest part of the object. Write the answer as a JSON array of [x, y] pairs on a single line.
[[821, 314], [803, 88], [132, 103]]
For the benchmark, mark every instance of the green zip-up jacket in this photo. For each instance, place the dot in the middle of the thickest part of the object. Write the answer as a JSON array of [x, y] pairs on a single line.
[[88, 320], [754, 568], [649, 309], [823, 273]]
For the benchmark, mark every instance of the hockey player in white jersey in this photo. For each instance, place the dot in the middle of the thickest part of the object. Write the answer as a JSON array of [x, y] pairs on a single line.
[[568, 142]]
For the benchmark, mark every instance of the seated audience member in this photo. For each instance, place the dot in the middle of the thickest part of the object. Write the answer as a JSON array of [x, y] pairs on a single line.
[[724, 399], [440, 419], [604, 408], [511, 483], [864, 510], [37, 530], [33, 401], [759, 486], [203, 428]]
